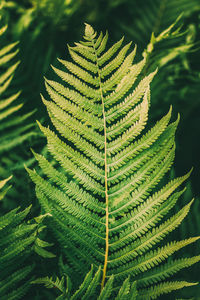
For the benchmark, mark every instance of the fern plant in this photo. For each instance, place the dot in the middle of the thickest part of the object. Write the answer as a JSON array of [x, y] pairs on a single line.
[[7, 104], [89, 287], [17, 130], [105, 194], [161, 14], [18, 240]]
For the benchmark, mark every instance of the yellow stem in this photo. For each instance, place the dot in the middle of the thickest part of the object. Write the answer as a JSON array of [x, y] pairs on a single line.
[[106, 179]]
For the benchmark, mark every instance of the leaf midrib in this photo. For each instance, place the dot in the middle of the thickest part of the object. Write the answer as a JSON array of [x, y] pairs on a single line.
[[106, 171]]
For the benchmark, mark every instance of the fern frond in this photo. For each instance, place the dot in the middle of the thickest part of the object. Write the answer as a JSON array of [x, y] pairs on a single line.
[[104, 193], [169, 269], [161, 14], [164, 288], [124, 290], [18, 240], [7, 105], [16, 129], [13, 254], [49, 283], [107, 289], [89, 288], [2, 184]]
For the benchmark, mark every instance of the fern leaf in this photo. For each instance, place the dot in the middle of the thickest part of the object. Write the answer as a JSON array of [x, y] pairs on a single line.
[[49, 282], [84, 286], [17, 241], [164, 288], [6, 108], [7, 284], [167, 270], [124, 290], [89, 288], [15, 130], [93, 285], [107, 290], [105, 190]]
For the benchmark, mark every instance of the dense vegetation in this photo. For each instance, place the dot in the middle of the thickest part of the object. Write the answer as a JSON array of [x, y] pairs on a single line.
[[90, 202]]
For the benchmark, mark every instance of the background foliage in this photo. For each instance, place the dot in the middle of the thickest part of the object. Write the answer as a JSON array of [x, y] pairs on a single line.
[[45, 27]]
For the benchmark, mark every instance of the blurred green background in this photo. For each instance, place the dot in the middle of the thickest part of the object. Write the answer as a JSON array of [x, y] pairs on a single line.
[[45, 27]]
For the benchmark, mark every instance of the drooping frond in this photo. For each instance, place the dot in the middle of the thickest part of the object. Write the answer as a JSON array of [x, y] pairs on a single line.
[[104, 193]]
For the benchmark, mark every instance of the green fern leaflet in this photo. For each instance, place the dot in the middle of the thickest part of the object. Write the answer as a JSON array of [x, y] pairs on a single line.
[[104, 194]]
